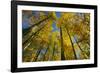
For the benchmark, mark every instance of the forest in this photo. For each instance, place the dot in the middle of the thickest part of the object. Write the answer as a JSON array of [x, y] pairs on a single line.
[[55, 36]]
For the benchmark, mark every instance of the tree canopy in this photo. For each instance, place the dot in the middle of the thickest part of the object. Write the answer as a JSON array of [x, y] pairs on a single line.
[[54, 36]]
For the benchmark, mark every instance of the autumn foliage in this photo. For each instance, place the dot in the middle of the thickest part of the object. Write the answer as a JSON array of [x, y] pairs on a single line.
[[54, 36]]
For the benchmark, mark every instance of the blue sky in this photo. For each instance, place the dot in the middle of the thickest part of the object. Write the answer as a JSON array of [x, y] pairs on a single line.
[[55, 28], [25, 21], [58, 14]]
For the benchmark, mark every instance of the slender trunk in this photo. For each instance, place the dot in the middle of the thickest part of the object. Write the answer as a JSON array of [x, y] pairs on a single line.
[[62, 48], [45, 53], [85, 55], [38, 52], [29, 29], [71, 43]]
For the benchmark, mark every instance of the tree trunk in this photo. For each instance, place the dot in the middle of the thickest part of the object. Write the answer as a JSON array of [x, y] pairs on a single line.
[[71, 42], [38, 52], [85, 55], [45, 53], [62, 48]]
